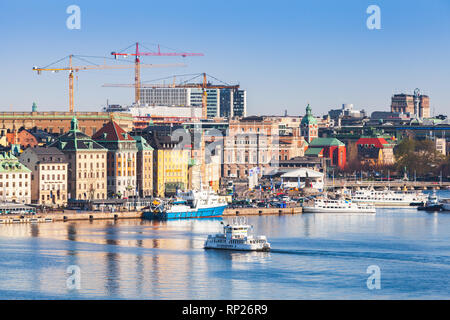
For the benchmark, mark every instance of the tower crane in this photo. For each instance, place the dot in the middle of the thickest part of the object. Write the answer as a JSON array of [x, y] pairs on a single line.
[[137, 72], [204, 85], [71, 68]]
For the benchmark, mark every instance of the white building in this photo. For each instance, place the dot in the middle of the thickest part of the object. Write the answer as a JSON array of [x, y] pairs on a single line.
[[15, 180], [303, 177]]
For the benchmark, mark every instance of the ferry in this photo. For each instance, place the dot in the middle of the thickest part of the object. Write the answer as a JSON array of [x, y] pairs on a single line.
[[187, 204], [388, 198], [336, 206], [236, 237]]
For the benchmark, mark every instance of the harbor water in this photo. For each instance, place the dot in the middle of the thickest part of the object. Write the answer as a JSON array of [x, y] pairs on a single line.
[[314, 256]]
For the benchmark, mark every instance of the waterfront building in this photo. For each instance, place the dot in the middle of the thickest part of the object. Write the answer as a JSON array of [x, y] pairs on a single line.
[[251, 142], [59, 122], [375, 151], [86, 164], [121, 159], [309, 126], [48, 167], [170, 165], [15, 180], [330, 148], [144, 167]]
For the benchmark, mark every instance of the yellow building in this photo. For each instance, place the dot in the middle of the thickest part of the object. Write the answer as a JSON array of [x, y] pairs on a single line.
[[170, 171]]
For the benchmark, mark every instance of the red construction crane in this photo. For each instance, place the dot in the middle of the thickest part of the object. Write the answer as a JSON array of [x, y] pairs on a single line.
[[137, 72]]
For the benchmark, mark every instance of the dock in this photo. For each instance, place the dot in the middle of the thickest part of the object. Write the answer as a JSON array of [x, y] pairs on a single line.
[[261, 211], [71, 215]]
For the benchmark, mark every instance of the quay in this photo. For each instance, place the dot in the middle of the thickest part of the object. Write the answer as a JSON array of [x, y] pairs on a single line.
[[72, 215], [261, 211], [69, 215]]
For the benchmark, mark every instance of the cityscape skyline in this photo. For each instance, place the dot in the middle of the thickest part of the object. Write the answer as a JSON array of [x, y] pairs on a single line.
[[306, 49]]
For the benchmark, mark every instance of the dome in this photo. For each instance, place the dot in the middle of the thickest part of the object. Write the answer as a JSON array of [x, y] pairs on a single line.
[[308, 118]]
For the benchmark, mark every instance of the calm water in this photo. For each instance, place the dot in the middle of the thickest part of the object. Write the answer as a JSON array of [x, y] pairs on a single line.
[[315, 256]]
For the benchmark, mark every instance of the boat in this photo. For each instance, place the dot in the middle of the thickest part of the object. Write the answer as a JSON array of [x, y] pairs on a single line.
[[445, 204], [432, 203], [325, 205], [388, 198], [236, 237], [187, 204]]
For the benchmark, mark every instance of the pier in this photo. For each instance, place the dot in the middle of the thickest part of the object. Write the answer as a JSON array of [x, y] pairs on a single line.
[[261, 211]]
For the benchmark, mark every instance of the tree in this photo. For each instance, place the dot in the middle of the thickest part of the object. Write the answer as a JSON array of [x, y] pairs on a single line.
[[418, 156]]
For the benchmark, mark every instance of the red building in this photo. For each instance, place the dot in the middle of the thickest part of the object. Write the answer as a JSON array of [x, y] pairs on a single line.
[[22, 138], [329, 148]]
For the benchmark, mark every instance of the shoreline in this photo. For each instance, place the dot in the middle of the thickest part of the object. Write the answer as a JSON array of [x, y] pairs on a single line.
[[96, 215]]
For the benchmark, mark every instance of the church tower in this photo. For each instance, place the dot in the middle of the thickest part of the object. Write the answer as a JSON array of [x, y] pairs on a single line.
[[308, 126]]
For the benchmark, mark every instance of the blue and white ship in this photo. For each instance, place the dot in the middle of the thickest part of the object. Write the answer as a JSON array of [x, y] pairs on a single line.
[[188, 204]]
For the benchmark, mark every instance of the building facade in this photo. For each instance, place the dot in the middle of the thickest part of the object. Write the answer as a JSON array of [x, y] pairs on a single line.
[[48, 167], [375, 151], [144, 167], [250, 142], [404, 103], [121, 160], [330, 148], [86, 164], [59, 122], [170, 165], [15, 180]]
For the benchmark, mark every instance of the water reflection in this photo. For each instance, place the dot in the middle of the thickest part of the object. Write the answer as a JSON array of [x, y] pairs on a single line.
[[313, 256]]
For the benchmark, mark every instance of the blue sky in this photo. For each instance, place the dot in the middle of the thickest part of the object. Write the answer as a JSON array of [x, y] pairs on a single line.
[[284, 53]]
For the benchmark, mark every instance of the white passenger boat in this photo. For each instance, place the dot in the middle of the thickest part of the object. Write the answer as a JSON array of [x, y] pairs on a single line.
[[336, 206], [236, 237], [387, 198]]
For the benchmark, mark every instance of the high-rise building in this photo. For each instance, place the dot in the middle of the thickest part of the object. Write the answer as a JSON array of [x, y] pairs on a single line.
[[233, 103], [219, 102], [404, 103]]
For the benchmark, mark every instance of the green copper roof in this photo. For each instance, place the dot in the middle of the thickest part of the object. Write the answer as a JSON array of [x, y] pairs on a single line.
[[313, 151], [9, 163], [141, 143], [75, 140], [322, 142], [309, 118]]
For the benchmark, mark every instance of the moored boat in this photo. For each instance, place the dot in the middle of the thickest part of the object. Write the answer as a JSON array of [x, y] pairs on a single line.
[[188, 204], [432, 203], [336, 206], [389, 198]]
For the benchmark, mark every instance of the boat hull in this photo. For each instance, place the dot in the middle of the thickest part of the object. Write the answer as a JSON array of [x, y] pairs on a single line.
[[334, 210], [235, 247], [209, 212]]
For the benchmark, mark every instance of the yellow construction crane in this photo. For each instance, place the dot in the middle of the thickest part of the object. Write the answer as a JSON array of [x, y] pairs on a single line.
[[71, 68]]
